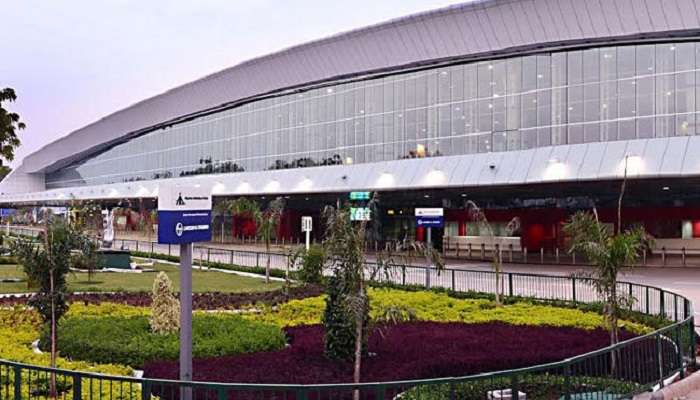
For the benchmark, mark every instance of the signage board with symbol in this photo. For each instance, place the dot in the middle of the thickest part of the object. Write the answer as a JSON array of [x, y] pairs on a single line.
[[184, 214], [429, 212], [430, 217]]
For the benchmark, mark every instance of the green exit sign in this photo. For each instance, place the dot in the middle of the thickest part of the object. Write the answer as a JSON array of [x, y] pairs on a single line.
[[359, 195]]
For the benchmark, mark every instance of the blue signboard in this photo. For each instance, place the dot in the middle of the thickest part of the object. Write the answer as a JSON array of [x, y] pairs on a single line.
[[430, 222], [184, 215]]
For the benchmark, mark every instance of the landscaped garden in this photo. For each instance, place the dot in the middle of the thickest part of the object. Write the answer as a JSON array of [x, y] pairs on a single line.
[[275, 342], [325, 328]]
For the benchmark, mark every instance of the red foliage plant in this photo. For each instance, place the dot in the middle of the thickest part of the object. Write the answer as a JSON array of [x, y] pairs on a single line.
[[415, 350]]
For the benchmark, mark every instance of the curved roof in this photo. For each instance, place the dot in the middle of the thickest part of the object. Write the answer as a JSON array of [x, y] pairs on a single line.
[[476, 29]]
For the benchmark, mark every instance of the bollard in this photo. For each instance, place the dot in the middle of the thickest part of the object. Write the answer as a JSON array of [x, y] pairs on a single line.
[[573, 257], [457, 249], [663, 256], [556, 254], [483, 251], [683, 255], [525, 254], [644, 258], [541, 255], [470, 251], [510, 252]]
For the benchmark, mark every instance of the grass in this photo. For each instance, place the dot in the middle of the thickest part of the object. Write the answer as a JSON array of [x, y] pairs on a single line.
[[202, 281]]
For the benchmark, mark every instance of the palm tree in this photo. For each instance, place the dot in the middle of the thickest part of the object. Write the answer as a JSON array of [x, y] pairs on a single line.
[[480, 217], [609, 253], [266, 221]]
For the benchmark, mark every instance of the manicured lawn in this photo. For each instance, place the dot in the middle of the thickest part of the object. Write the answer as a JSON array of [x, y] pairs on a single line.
[[203, 281]]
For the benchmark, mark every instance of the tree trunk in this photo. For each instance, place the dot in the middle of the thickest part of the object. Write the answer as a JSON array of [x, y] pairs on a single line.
[[52, 388], [497, 269], [359, 319], [267, 267]]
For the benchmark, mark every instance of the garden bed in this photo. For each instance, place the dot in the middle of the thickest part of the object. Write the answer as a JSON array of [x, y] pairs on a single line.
[[415, 350], [200, 301]]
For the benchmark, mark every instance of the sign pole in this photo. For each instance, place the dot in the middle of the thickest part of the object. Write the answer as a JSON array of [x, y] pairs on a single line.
[[186, 319], [308, 240], [184, 217]]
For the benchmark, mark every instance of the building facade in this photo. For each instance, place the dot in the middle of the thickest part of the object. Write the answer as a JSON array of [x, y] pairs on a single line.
[[532, 109]]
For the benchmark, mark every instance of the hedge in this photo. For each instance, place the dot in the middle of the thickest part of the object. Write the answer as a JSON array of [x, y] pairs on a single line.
[[128, 340]]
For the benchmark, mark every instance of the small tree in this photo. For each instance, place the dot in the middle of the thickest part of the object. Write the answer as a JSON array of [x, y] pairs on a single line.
[[609, 253], [267, 223], [165, 309], [479, 216], [47, 264], [347, 305]]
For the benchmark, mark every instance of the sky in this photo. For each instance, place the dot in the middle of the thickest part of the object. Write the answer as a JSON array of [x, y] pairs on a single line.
[[73, 62]]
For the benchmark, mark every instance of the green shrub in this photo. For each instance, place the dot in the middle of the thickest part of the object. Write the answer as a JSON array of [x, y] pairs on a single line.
[[540, 386], [129, 340], [339, 340], [165, 309], [312, 262]]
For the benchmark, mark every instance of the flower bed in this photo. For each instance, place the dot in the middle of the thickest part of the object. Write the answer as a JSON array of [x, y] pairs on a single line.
[[414, 350], [440, 307]]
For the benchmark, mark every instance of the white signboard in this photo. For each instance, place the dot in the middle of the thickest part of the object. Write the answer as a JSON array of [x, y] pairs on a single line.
[[306, 224], [184, 214], [429, 212], [183, 198]]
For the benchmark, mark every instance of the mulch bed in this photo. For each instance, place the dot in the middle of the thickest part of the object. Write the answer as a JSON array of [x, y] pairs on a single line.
[[200, 301], [415, 350]]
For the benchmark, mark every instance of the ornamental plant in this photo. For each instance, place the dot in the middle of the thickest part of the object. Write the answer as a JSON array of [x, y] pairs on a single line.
[[312, 260], [165, 317], [346, 315], [46, 264]]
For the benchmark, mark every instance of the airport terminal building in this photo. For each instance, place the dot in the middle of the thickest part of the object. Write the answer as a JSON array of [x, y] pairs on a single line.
[[529, 108]]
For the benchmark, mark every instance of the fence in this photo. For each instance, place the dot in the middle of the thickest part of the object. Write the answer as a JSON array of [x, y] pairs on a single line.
[[680, 257], [630, 367]]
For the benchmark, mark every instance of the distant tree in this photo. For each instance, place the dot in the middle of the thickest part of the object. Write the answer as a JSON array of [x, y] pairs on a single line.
[[4, 171], [266, 221], [10, 125]]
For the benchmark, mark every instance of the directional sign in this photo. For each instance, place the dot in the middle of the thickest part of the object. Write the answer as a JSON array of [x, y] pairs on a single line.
[[360, 214], [359, 195], [184, 214]]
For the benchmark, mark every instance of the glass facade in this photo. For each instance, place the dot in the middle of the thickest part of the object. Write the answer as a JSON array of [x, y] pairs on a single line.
[[591, 95]]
